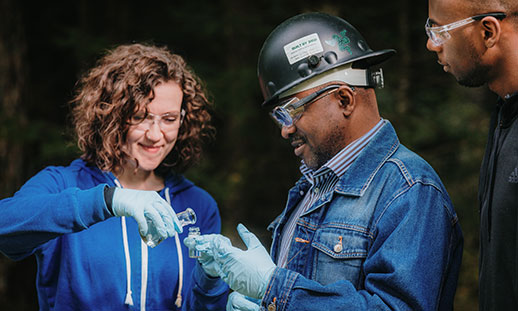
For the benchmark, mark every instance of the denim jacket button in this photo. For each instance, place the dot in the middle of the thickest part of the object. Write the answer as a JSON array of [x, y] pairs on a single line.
[[338, 248], [271, 307]]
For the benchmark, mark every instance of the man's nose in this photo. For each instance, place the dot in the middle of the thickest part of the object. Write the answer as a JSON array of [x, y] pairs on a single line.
[[432, 46], [286, 131]]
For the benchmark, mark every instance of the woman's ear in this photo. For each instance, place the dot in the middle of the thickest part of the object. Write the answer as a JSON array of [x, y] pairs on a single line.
[[347, 100]]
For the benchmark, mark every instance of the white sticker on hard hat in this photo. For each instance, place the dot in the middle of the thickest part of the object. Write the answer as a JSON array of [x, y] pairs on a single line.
[[303, 48]]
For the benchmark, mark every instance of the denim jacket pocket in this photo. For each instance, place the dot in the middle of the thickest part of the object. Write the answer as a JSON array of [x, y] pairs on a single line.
[[340, 253]]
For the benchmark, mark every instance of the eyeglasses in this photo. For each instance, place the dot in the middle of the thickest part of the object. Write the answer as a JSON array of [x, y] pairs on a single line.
[[166, 122], [439, 34], [291, 110]]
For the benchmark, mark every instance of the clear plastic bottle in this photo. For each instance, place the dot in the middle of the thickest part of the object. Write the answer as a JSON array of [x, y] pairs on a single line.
[[152, 239], [194, 231]]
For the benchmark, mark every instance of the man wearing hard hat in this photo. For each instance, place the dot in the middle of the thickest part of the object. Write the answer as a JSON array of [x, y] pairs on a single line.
[[369, 225]]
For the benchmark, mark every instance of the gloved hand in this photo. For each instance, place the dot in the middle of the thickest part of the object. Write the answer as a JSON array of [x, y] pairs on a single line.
[[238, 302], [152, 213], [206, 259], [246, 272]]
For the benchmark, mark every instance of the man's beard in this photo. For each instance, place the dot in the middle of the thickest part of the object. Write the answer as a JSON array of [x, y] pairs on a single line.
[[477, 75], [475, 78], [321, 154]]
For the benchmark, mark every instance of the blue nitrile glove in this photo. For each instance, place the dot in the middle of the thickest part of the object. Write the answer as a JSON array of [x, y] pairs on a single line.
[[246, 272], [238, 302], [152, 213], [206, 259]]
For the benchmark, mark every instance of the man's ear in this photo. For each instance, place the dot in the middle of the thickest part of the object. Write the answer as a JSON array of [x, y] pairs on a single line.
[[492, 30], [346, 100]]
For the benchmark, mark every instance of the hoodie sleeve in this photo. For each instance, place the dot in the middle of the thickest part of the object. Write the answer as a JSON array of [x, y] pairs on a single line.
[[207, 293], [45, 208]]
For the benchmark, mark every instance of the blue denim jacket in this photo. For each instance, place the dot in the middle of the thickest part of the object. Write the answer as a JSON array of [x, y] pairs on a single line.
[[387, 238]]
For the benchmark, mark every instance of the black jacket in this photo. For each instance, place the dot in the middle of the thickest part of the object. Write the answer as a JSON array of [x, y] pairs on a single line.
[[498, 197]]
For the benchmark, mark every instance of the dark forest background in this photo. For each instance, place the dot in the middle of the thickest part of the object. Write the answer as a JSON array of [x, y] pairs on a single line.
[[46, 45]]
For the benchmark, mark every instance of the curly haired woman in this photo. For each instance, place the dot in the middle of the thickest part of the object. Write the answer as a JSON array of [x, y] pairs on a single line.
[[141, 118]]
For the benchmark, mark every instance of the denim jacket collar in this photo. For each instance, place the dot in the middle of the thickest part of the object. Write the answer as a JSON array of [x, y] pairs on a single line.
[[361, 172], [372, 157], [358, 177]]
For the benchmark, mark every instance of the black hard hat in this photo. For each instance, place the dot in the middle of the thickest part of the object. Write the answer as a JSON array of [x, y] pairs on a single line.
[[307, 45]]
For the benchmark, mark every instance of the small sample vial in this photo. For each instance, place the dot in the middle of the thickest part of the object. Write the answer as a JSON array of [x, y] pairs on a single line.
[[187, 217], [194, 231], [152, 239]]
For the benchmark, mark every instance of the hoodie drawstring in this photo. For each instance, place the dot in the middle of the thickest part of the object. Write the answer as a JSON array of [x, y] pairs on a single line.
[[144, 270], [178, 301], [129, 298], [144, 252]]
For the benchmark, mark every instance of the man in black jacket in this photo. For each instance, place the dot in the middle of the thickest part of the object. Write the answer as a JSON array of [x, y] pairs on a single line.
[[477, 42]]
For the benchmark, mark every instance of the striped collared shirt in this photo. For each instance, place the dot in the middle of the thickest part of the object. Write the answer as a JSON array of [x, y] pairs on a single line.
[[322, 182]]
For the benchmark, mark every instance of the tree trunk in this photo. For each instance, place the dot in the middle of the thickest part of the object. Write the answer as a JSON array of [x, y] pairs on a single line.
[[12, 120], [12, 86], [405, 57]]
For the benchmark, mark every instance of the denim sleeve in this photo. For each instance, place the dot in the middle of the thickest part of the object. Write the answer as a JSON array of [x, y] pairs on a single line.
[[412, 262]]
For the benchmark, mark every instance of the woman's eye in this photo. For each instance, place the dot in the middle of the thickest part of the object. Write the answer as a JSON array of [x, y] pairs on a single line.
[[138, 117], [169, 119]]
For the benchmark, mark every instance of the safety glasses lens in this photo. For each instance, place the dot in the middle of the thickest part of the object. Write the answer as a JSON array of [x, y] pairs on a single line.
[[282, 117]]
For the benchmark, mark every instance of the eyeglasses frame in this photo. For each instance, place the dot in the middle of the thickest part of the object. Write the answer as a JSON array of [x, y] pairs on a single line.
[[296, 110], [451, 26], [147, 114]]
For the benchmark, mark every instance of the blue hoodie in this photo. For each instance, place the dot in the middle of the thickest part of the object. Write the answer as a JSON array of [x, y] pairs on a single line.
[[89, 260]]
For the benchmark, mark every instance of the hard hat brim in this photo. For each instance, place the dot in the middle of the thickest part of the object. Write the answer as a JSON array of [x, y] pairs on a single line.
[[363, 62], [371, 59]]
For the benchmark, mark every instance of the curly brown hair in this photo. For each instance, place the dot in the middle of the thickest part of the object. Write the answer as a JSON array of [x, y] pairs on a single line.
[[123, 81]]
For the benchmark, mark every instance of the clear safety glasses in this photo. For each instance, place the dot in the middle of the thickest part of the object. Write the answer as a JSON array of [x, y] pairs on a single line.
[[167, 122], [290, 110], [439, 34]]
